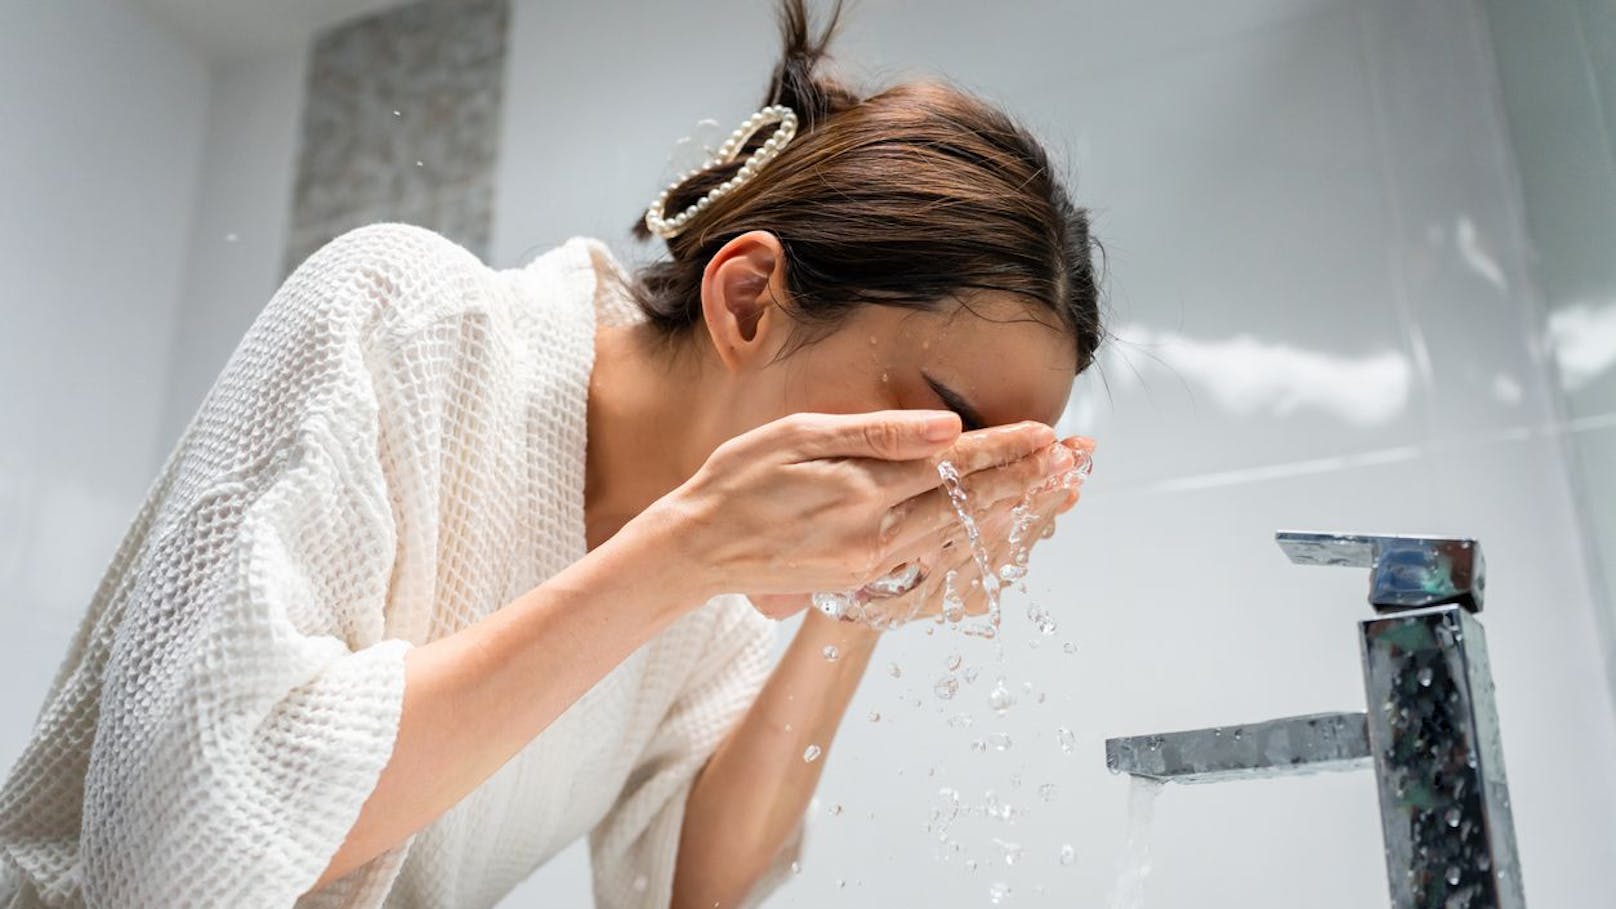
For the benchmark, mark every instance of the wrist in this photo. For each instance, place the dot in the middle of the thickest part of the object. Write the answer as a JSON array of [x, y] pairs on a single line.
[[660, 550]]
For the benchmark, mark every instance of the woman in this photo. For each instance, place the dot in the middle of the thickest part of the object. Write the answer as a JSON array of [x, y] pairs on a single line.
[[456, 565]]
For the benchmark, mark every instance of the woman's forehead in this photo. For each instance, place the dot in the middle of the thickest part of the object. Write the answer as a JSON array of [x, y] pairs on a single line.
[[1011, 360]]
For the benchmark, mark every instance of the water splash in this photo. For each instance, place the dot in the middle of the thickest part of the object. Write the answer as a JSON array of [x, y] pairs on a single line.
[[1000, 697], [1067, 739], [855, 604]]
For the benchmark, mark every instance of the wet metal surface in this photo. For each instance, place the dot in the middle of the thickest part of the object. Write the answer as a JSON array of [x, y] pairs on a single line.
[[1439, 762], [1319, 742], [1405, 571]]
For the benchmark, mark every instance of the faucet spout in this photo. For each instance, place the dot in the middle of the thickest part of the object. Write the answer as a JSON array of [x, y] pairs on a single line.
[[1315, 743]]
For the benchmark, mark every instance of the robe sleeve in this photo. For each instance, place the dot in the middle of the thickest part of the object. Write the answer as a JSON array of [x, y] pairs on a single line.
[[635, 847], [251, 696]]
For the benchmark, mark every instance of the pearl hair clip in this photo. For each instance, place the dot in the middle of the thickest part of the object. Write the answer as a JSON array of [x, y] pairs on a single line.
[[667, 227]]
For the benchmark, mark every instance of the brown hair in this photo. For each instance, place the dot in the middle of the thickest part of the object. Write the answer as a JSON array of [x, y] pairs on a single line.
[[907, 197]]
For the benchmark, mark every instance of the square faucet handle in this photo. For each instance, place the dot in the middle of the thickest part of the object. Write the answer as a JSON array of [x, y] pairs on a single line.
[[1405, 571]]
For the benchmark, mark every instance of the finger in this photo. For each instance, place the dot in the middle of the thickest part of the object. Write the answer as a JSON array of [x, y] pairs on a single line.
[[888, 435], [992, 487], [995, 445], [973, 451], [918, 519]]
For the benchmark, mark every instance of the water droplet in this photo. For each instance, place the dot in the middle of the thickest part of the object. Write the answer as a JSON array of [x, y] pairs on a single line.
[[831, 653], [796, 867], [419, 164], [1425, 677], [1068, 855], [946, 687], [835, 810], [894, 671], [1067, 740], [953, 662], [810, 754], [1000, 697], [231, 238], [970, 674], [1452, 817], [875, 716], [1453, 874], [1000, 741], [1047, 792], [397, 114], [999, 892], [1069, 647], [1012, 851], [960, 720]]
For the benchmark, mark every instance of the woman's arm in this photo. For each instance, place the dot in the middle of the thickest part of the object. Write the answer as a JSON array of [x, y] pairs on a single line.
[[473, 699], [748, 798]]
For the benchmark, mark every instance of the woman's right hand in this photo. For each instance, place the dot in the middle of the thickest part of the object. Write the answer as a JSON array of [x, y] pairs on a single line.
[[816, 501]]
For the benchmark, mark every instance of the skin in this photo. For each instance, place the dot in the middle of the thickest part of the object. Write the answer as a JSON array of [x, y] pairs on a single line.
[[717, 467]]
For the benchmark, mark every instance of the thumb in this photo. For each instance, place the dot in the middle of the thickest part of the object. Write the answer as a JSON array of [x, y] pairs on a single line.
[[892, 435]]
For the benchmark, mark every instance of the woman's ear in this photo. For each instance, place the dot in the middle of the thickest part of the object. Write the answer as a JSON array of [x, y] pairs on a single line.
[[740, 293]]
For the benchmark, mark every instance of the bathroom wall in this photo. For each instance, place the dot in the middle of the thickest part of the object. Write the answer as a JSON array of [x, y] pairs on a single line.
[[101, 136], [1330, 313], [1557, 72], [400, 123]]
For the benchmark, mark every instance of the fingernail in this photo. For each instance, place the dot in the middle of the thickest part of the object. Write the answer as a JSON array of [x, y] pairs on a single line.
[[942, 428]]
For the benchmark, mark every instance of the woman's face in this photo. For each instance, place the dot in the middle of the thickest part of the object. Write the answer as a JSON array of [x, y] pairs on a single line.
[[994, 359]]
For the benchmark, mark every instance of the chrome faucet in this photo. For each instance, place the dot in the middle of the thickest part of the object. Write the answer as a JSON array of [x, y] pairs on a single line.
[[1431, 731]]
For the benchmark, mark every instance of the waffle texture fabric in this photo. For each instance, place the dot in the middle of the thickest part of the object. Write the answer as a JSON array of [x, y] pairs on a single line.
[[394, 450]]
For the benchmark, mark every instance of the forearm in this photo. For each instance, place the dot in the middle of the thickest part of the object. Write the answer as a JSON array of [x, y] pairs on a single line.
[[750, 795], [476, 697]]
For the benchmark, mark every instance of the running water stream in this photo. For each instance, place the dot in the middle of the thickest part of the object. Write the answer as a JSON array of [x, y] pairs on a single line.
[[1129, 891]]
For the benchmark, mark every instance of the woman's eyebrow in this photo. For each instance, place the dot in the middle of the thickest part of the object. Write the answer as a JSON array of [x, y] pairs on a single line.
[[958, 404]]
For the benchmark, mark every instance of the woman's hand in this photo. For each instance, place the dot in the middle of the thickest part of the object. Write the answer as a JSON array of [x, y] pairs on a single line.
[[815, 502], [1014, 506]]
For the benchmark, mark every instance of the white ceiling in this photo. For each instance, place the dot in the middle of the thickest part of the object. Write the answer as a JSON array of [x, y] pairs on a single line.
[[237, 29]]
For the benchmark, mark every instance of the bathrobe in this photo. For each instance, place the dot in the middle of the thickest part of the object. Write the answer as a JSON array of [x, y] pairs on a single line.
[[394, 450]]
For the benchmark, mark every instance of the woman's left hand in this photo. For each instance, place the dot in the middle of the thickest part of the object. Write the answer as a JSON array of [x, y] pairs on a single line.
[[992, 495], [931, 598]]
